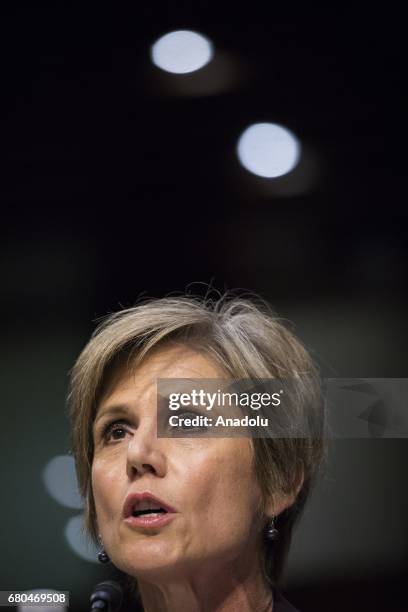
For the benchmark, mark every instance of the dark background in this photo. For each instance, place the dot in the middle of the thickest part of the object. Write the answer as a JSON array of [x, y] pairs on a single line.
[[119, 180]]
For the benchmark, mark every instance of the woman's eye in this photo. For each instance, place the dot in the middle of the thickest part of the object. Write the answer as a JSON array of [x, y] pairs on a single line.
[[114, 431]]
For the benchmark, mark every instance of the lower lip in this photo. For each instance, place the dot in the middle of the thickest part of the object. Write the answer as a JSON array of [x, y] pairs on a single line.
[[150, 522]]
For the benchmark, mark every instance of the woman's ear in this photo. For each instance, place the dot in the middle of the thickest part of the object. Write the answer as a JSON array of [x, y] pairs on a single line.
[[300, 479], [280, 501]]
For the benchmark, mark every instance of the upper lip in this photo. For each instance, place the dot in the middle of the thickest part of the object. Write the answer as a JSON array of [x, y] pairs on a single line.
[[133, 498]]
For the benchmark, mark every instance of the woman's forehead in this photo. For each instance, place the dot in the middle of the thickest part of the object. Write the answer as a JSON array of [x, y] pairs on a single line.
[[176, 361]]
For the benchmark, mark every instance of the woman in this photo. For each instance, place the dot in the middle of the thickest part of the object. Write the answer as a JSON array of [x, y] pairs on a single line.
[[197, 523]]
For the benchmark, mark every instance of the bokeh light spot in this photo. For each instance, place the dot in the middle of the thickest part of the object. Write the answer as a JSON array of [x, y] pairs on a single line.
[[268, 150], [78, 541], [181, 52], [60, 481]]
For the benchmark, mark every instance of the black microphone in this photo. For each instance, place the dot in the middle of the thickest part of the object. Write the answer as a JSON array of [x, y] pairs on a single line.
[[106, 597]]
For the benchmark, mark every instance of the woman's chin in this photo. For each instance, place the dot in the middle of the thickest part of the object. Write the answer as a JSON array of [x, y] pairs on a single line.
[[160, 571], [149, 559]]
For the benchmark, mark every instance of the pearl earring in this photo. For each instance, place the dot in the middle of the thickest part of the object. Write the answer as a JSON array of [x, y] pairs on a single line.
[[271, 532], [102, 555]]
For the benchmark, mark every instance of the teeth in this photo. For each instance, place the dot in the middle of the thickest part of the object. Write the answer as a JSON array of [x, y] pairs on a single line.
[[145, 504], [148, 512]]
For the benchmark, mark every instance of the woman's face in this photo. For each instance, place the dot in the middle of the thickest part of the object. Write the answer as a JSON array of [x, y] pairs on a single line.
[[208, 482]]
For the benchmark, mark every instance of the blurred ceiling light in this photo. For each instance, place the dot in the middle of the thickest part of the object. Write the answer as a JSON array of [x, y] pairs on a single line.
[[60, 481], [181, 52], [268, 150], [78, 541]]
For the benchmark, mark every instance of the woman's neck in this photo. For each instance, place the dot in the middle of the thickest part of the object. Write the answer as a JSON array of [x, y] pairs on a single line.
[[217, 589]]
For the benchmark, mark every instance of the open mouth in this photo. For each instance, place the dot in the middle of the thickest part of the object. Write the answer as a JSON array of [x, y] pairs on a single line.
[[145, 505], [146, 508]]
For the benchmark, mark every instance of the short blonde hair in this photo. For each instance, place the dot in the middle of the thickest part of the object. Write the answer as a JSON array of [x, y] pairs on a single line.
[[247, 340]]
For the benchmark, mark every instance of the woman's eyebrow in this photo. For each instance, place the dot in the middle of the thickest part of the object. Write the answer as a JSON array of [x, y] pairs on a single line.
[[111, 411]]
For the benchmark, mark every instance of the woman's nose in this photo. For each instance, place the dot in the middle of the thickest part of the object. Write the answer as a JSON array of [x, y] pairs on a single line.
[[145, 454]]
